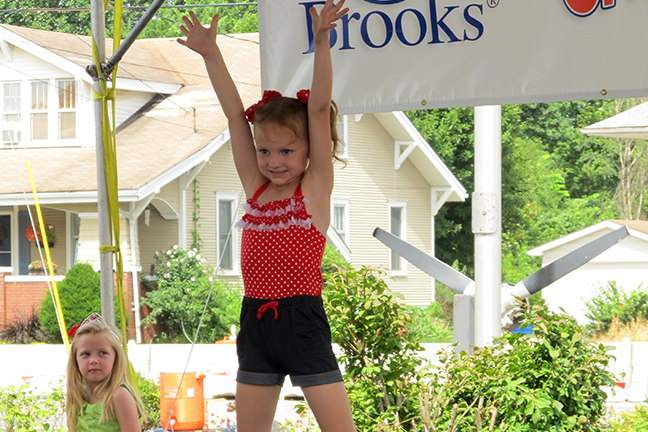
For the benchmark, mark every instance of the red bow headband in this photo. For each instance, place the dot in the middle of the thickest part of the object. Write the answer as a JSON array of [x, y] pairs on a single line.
[[269, 96], [93, 316]]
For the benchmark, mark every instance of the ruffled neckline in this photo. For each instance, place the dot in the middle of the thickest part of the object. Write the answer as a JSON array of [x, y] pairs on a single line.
[[275, 215]]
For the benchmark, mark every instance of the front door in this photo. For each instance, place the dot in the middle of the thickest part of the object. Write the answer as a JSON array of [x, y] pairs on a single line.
[[24, 247]]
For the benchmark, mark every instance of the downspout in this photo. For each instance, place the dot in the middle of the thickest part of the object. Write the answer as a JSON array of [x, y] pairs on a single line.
[[135, 278], [433, 211]]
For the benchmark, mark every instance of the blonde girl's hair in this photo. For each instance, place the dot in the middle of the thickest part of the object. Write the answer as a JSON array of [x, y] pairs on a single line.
[[292, 114], [76, 383]]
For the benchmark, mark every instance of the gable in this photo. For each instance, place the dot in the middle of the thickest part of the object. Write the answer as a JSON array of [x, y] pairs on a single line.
[[633, 248]]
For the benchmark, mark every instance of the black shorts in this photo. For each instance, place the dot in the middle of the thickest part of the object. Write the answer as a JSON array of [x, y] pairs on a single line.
[[287, 336]]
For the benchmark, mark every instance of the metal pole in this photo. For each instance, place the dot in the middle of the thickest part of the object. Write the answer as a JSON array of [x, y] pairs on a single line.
[[487, 223], [105, 259], [134, 33]]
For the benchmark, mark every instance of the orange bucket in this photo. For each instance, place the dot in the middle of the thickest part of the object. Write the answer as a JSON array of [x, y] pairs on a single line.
[[189, 410]]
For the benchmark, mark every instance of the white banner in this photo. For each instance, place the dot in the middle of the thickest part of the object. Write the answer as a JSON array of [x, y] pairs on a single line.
[[409, 54]]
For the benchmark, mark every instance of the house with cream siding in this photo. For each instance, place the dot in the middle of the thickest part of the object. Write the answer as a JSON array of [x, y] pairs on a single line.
[[175, 165]]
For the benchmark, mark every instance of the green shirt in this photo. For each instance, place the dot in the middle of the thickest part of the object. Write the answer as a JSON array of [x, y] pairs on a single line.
[[90, 423]]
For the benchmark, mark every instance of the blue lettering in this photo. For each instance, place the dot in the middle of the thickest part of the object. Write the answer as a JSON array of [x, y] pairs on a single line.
[[474, 28], [436, 23], [399, 27], [309, 27], [345, 29], [389, 29], [473, 22]]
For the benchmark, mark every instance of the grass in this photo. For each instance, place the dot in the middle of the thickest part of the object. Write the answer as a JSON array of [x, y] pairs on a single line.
[[636, 330]]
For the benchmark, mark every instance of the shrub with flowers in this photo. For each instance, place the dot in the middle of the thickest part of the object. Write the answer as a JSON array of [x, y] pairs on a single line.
[[41, 265], [31, 233], [184, 279]]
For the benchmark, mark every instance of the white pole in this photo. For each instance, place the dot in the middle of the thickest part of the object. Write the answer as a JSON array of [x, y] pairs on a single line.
[[105, 259], [487, 223]]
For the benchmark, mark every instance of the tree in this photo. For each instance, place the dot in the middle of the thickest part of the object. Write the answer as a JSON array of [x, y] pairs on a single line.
[[234, 19], [554, 178], [632, 165]]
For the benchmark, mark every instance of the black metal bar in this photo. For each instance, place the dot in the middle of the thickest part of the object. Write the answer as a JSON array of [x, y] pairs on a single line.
[[132, 36]]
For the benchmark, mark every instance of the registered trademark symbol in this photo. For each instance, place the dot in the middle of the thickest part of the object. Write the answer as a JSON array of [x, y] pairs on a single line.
[[492, 3]]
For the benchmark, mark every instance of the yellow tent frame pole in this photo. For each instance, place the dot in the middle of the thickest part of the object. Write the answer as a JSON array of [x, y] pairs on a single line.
[[41, 224]]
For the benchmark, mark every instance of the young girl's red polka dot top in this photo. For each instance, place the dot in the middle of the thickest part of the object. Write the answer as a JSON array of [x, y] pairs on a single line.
[[281, 250]]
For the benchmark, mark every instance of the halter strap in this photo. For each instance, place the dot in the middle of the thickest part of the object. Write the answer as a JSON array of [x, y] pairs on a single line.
[[260, 191]]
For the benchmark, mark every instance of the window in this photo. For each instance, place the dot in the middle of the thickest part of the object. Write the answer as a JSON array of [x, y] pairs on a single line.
[[340, 217], [66, 106], [5, 240], [343, 135], [398, 227], [39, 91], [226, 235], [11, 113]]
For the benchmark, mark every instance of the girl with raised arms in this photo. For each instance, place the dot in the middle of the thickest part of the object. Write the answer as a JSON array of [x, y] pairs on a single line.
[[286, 169]]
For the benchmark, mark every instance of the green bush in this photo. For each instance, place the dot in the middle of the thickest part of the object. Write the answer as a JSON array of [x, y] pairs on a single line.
[[630, 421], [150, 394], [370, 325], [612, 301], [428, 324], [80, 295], [184, 281], [23, 411], [332, 260], [549, 382]]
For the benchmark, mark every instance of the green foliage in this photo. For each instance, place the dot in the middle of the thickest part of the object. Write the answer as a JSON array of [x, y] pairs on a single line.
[[234, 19], [379, 353], [149, 392], [450, 132], [630, 421], [555, 179], [612, 301], [428, 324], [24, 329], [196, 242], [184, 280], [80, 295], [550, 382], [23, 411], [333, 260]]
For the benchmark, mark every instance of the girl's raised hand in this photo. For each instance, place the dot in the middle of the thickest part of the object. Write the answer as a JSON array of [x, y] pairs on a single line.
[[199, 38], [325, 20]]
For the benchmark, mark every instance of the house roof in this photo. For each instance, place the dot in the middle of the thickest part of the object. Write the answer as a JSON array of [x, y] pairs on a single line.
[[177, 78], [422, 156], [638, 229], [169, 123], [632, 123]]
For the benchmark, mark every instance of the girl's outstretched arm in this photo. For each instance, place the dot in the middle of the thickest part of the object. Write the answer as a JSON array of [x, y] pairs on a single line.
[[320, 170], [203, 41], [125, 409]]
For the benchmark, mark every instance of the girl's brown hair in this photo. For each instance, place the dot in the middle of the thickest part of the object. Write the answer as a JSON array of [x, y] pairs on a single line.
[[76, 383], [292, 114]]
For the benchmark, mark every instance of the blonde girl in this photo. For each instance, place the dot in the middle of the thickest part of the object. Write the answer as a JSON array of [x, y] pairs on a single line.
[[286, 169], [99, 394]]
